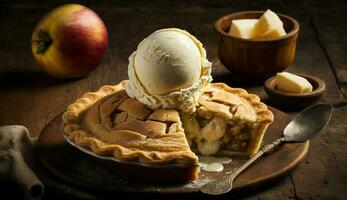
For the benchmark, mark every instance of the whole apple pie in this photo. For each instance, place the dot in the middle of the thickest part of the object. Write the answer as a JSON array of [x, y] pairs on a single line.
[[110, 123]]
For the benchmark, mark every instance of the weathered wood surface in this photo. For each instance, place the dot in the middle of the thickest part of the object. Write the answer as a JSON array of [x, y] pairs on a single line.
[[32, 98]]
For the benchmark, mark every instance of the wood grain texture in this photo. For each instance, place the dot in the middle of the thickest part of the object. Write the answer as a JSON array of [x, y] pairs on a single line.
[[331, 35], [32, 98]]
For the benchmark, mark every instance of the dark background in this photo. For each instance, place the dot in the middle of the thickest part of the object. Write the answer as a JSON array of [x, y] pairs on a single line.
[[31, 98]]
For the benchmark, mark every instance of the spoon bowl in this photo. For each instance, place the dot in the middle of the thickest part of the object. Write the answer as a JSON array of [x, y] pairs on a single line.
[[308, 123]]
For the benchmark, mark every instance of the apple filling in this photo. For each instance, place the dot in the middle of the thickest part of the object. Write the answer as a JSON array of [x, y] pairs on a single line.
[[208, 133], [226, 122]]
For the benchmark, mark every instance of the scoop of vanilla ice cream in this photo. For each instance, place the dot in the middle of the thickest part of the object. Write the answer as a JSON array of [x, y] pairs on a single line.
[[169, 69], [166, 61]]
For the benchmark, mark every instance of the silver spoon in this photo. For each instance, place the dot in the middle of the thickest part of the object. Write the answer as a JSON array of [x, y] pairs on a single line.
[[303, 127]]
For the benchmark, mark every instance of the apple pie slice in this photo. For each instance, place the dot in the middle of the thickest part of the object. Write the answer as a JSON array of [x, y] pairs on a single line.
[[227, 120]]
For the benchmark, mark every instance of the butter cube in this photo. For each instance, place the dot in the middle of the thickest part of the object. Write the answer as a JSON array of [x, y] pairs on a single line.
[[288, 82], [274, 33], [242, 28], [269, 24]]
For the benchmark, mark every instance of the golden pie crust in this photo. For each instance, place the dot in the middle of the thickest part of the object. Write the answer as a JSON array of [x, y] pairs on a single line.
[[110, 123]]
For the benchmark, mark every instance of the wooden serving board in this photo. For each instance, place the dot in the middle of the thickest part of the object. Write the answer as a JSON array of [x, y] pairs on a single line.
[[79, 169]]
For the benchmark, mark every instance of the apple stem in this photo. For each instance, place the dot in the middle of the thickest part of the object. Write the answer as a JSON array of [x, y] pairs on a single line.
[[44, 41]]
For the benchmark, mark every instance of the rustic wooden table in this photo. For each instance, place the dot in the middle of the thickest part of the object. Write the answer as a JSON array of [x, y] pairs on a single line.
[[31, 98]]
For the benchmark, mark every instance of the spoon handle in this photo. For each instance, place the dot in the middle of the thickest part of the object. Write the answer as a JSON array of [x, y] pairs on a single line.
[[224, 185], [270, 147]]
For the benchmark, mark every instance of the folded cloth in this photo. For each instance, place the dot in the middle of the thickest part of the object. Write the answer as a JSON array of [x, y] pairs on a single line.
[[16, 158]]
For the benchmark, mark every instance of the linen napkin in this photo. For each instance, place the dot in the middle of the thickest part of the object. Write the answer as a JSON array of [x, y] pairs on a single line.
[[16, 160]]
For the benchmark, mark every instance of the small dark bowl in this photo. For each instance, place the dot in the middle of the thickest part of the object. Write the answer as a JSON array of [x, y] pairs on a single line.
[[294, 101], [255, 60]]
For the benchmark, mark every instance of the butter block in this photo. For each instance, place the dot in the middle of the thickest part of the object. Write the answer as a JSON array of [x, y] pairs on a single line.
[[292, 83], [269, 23], [242, 28], [273, 33]]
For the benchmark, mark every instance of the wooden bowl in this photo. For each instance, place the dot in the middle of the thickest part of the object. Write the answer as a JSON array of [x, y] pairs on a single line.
[[294, 101], [254, 60]]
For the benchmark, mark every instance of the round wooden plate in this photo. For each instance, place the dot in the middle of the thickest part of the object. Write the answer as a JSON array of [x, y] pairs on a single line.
[[78, 168]]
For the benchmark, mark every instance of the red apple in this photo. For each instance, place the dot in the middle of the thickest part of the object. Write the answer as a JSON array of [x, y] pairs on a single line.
[[69, 41]]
